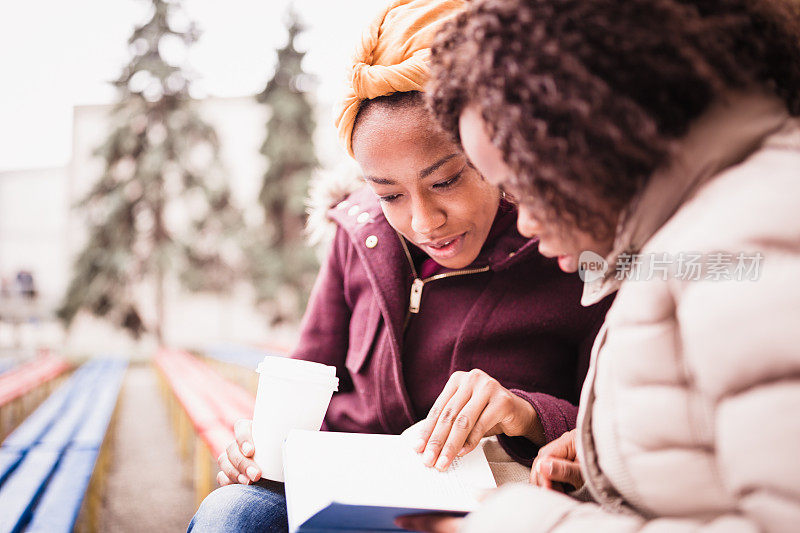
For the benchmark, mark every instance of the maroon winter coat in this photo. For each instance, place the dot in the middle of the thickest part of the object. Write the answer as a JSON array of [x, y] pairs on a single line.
[[520, 321]]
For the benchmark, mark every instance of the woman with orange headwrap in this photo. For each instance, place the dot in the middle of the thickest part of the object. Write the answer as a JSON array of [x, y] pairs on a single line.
[[431, 305]]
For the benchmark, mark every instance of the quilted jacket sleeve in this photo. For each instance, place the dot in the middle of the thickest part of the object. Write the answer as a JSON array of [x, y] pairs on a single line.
[[751, 368]]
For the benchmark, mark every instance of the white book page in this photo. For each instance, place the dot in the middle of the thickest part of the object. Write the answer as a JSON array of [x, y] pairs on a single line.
[[377, 470]]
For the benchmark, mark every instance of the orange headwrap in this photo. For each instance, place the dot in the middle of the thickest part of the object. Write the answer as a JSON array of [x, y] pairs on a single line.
[[392, 56]]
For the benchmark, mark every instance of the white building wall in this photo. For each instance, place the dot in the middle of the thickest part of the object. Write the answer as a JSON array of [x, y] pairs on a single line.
[[39, 231], [33, 214]]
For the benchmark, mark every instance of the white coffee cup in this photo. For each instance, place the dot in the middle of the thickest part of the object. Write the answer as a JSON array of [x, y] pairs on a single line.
[[292, 394]]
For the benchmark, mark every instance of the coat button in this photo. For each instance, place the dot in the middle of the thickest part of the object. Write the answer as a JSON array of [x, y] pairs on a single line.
[[372, 241], [353, 210], [363, 217]]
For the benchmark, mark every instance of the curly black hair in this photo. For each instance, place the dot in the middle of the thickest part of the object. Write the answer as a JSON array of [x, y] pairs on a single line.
[[585, 97]]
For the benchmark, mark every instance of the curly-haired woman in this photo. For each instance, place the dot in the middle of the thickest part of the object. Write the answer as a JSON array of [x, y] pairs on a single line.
[[663, 136], [431, 305]]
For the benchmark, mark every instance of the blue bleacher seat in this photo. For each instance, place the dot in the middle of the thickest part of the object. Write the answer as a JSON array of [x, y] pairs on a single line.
[[47, 462], [33, 427], [66, 425], [39, 423], [93, 430], [58, 509], [20, 490], [9, 459]]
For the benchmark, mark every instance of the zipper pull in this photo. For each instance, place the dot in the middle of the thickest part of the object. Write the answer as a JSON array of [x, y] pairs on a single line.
[[416, 295]]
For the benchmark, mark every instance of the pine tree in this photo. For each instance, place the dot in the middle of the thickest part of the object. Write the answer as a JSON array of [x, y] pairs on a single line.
[[161, 209], [282, 264]]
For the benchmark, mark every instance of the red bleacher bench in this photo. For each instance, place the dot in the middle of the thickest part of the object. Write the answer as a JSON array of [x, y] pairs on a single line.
[[210, 403]]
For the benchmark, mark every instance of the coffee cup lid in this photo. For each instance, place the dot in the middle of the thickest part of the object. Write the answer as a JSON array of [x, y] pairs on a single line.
[[300, 370]]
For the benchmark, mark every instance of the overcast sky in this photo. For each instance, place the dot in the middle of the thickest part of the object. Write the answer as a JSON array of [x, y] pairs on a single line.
[[58, 54]]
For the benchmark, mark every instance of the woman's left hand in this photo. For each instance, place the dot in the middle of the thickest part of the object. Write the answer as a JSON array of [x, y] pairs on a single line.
[[557, 464], [430, 523], [473, 405]]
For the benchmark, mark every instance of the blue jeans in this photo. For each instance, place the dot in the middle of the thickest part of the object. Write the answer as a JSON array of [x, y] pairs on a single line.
[[242, 508]]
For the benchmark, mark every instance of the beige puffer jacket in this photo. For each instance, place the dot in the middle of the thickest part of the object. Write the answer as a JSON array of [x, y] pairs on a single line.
[[690, 414]]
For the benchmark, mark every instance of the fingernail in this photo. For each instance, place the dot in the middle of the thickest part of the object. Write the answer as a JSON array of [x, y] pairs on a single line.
[[428, 458], [252, 472], [547, 467], [247, 448], [420, 445], [442, 462], [243, 479], [462, 452]]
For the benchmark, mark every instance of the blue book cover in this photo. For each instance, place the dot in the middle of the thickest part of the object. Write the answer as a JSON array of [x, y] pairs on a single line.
[[344, 517]]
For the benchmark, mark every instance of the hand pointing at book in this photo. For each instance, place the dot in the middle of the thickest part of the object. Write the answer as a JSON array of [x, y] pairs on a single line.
[[473, 405]]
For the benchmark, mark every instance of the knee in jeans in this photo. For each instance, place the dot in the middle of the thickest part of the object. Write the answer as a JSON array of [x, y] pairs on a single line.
[[224, 501], [239, 508]]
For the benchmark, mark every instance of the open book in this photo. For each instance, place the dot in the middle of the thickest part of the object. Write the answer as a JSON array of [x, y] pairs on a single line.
[[362, 482]]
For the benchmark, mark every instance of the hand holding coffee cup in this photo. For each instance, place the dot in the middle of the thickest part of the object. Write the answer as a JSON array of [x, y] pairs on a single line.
[[236, 462], [292, 394]]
